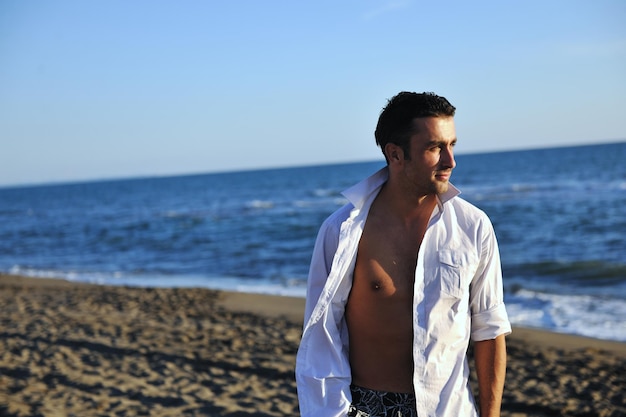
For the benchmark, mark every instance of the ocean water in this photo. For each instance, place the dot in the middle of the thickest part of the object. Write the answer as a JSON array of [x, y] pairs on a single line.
[[559, 215]]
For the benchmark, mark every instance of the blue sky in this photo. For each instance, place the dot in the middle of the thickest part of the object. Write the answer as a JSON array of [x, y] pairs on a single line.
[[114, 89]]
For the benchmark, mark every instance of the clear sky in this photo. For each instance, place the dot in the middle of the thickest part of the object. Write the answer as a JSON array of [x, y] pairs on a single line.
[[114, 89]]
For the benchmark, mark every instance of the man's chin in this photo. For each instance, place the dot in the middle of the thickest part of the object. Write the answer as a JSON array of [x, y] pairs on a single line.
[[442, 187]]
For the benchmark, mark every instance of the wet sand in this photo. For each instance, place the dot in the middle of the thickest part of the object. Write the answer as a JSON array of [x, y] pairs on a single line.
[[69, 349]]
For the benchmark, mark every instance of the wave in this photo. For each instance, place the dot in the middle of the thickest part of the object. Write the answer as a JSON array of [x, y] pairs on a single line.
[[593, 273], [516, 190], [586, 315], [324, 192], [260, 204], [75, 276]]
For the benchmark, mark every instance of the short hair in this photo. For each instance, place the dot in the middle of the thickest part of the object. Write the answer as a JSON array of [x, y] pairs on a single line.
[[395, 124]]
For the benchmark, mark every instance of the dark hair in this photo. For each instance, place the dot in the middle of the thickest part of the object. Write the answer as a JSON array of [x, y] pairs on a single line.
[[395, 124]]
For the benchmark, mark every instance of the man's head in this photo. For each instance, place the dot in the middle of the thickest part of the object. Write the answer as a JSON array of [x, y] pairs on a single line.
[[396, 122]]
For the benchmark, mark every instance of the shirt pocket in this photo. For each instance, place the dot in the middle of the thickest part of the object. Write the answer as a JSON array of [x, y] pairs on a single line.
[[455, 271]]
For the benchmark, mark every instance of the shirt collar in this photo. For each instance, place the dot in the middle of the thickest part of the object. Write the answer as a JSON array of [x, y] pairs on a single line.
[[359, 193]]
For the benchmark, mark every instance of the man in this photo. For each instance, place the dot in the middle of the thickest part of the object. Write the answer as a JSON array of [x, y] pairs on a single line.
[[401, 278]]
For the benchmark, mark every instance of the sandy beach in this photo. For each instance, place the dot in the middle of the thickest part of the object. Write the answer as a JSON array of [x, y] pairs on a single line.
[[71, 349]]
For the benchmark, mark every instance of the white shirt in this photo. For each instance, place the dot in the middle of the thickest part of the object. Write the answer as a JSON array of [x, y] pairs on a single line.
[[457, 295]]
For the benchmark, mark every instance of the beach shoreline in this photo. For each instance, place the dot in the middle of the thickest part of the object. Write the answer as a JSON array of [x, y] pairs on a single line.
[[83, 349]]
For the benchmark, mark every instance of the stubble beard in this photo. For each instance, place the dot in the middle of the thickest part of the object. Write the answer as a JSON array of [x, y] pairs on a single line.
[[440, 187]]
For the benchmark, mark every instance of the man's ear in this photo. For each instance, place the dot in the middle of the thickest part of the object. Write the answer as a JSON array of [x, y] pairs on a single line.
[[394, 153]]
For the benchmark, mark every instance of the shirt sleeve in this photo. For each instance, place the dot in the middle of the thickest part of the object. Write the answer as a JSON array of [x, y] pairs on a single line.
[[321, 374], [489, 316], [321, 262]]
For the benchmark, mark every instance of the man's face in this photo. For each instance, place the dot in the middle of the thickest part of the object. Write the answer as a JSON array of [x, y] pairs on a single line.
[[430, 162]]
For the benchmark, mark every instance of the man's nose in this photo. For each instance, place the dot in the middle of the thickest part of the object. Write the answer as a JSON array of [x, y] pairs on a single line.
[[447, 158]]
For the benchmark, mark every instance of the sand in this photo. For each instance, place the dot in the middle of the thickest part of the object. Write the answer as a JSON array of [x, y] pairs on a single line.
[[70, 349]]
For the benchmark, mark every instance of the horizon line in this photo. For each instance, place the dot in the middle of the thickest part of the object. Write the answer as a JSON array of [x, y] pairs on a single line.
[[79, 181]]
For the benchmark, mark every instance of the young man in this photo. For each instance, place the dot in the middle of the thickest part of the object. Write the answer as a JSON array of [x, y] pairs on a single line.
[[401, 278]]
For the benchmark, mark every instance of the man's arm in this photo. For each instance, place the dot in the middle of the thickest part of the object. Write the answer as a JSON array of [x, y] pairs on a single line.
[[322, 379], [490, 357]]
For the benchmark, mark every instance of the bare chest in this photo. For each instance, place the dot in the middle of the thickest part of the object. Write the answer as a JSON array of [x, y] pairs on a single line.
[[387, 257]]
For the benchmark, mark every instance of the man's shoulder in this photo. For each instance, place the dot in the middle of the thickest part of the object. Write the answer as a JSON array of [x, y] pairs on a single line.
[[466, 209], [463, 204], [338, 216]]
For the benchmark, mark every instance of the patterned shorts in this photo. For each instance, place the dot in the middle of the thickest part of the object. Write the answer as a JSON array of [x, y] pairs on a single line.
[[371, 403]]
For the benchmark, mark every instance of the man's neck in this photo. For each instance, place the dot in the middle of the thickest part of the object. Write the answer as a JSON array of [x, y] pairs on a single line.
[[405, 206]]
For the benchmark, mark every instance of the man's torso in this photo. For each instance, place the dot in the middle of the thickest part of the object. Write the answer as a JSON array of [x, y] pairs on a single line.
[[379, 311]]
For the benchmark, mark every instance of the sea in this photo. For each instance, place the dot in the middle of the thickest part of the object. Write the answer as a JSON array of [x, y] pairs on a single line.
[[559, 216]]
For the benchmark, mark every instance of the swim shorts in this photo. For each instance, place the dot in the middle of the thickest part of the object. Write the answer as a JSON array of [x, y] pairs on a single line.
[[371, 403]]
